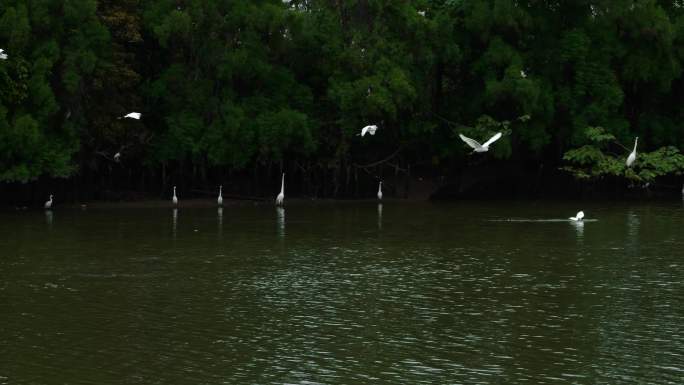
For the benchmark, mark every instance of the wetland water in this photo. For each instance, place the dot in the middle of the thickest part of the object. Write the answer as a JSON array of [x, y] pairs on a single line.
[[339, 293]]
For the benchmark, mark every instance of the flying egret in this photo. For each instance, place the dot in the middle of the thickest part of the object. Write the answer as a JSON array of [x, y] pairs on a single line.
[[369, 129], [132, 115], [175, 198], [281, 197], [220, 198], [3, 55], [578, 217], [421, 13], [632, 155], [48, 204], [380, 191], [477, 147]]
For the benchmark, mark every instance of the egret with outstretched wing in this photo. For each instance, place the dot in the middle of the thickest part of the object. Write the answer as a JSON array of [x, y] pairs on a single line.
[[132, 115], [369, 129], [477, 147]]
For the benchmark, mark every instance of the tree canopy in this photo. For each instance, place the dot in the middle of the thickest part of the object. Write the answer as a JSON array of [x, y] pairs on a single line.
[[255, 85]]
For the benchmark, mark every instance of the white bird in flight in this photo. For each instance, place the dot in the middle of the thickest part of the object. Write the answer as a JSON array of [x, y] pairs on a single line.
[[523, 74], [281, 197], [3, 55], [175, 198], [369, 129], [48, 204], [632, 155], [132, 115], [380, 191], [220, 197], [578, 217], [477, 147]]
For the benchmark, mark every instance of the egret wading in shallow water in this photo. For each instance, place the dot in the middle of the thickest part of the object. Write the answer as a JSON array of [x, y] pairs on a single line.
[[281, 197], [369, 129], [632, 155], [48, 204], [175, 198], [578, 217], [477, 147], [380, 191], [132, 115], [219, 200]]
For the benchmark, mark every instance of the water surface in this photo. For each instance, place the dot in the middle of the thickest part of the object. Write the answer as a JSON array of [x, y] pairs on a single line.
[[344, 293]]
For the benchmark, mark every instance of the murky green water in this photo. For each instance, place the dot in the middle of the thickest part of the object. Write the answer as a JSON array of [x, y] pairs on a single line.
[[344, 293]]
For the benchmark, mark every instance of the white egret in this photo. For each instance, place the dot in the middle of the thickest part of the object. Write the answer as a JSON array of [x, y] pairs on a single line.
[[48, 204], [380, 191], [523, 74], [281, 197], [175, 198], [117, 157], [132, 115], [3, 55], [578, 217], [369, 129], [632, 155], [421, 13], [220, 197], [477, 147]]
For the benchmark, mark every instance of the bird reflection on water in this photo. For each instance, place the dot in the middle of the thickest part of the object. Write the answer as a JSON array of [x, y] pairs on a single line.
[[281, 221]]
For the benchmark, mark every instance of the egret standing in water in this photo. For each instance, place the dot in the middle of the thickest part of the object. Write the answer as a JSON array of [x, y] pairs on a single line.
[[369, 129], [220, 198], [175, 198], [477, 147], [632, 155], [380, 191], [48, 204], [578, 217], [281, 197]]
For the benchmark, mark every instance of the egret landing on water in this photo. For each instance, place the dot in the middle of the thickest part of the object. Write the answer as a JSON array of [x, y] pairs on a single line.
[[132, 115], [219, 200], [369, 129], [380, 191], [175, 198], [281, 197], [48, 204], [632, 155], [578, 217], [477, 147]]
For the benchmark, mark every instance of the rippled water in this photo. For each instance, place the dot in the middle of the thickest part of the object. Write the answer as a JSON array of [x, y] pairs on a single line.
[[344, 293]]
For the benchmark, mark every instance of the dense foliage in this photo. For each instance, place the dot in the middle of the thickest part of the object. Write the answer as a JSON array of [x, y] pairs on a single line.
[[258, 86]]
